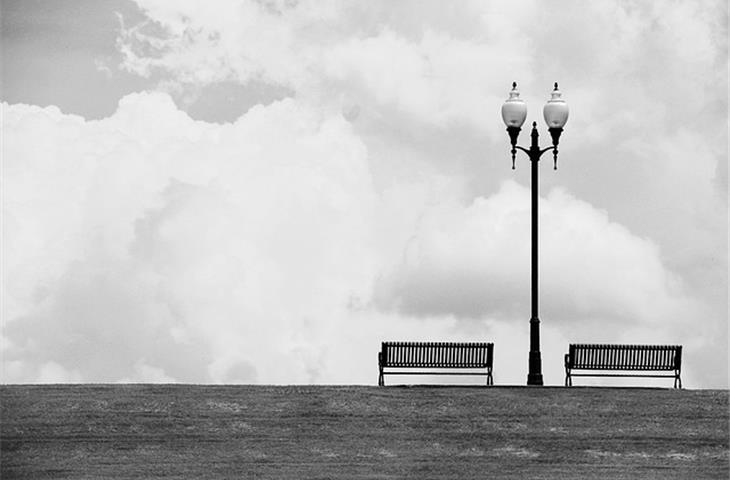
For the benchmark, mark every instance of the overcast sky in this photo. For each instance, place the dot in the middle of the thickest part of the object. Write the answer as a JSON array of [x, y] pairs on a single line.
[[263, 191]]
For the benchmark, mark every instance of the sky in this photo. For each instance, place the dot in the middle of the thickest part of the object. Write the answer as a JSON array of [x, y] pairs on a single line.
[[263, 191]]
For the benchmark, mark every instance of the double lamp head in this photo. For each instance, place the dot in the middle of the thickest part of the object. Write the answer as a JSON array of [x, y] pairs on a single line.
[[514, 113]]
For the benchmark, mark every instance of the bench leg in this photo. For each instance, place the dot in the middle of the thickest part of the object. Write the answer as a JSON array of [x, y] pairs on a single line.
[[490, 380], [381, 380], [677, 379], [568, 379]]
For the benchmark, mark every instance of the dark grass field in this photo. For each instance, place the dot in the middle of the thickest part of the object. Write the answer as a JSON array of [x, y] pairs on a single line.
[[184, 431]]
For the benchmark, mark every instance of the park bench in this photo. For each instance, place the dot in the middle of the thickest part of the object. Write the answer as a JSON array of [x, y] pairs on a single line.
[[644, 358], [443, 356]]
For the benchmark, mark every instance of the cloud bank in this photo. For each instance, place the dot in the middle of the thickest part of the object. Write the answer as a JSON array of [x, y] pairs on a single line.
[[150, 247], [367, 196]]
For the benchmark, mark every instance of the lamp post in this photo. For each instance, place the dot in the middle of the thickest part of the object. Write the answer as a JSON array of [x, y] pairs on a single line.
[[514, 112]]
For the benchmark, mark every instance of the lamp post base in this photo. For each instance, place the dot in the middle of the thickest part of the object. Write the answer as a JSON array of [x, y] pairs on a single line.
[[534, 375], [534, 379]]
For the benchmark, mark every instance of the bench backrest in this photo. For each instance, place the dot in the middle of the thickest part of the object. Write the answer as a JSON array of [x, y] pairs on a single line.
[[625, 357], [437, 354]]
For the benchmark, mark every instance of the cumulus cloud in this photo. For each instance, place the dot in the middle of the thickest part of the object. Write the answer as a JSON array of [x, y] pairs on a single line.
[[205, 252], [473, 262]]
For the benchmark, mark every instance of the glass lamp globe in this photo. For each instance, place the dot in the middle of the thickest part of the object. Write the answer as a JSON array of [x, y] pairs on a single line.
[[514, 110], [556, 110]]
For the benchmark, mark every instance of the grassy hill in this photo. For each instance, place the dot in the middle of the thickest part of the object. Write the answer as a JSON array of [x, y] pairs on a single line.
[[186, 431]]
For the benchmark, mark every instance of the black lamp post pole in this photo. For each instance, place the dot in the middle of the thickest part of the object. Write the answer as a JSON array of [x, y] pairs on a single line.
[[534, 375]]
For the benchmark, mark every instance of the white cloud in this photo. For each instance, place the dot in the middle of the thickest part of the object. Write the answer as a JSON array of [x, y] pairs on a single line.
[[442, 64], [52, 372], [316, 47], [215, 252], [474, 262], [144, 373], [237, 39]]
